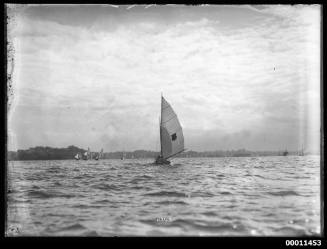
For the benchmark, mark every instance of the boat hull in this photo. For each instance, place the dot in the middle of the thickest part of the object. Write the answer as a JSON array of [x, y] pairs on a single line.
[[161, 161]]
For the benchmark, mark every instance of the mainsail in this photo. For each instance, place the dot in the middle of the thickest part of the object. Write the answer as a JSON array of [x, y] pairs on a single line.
[[171, 133]]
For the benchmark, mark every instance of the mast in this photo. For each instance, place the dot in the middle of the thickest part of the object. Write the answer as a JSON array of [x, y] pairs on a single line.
[[160, 120], [160, 135]]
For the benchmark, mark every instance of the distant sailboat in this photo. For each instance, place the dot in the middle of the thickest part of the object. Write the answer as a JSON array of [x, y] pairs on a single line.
[[77, 156], [171, 134], [301, 153], [123, 156], [86, 154], [99, 155], [285, 153]]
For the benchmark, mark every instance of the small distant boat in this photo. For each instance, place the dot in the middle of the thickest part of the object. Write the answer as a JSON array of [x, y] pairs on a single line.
[[87, 154], [285, 153], [301, 153], [123, 156], [99, 155], [171, 134], [77, 156]]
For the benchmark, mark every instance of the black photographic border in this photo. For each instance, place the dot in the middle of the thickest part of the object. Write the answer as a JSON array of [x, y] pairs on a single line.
[[275, 242]]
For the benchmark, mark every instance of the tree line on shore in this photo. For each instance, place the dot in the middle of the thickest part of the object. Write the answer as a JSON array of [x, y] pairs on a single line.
[[49, 153]]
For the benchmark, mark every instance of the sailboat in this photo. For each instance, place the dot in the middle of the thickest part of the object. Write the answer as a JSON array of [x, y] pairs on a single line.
[[285, 153], [86, 154], [301, 153], [123, 156], [171, 134], [99, 155], [77, 156]]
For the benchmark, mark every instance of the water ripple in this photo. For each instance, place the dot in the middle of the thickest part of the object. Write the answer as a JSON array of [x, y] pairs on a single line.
[[283, 193], [166, 194], [270, 196]]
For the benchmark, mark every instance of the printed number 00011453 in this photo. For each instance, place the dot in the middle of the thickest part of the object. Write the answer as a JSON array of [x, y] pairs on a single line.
[[303, 242]]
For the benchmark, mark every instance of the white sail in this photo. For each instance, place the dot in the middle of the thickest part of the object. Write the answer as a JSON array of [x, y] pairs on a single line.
[[171, 132]]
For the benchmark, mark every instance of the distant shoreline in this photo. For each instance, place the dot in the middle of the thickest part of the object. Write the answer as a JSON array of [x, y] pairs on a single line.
[[49, 153], [18, 160]]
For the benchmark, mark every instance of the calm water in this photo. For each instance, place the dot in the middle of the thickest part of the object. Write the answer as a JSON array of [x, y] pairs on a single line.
[[258, 196]]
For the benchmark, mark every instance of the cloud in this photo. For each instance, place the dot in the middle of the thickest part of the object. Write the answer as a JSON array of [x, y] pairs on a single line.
[[100, 86]]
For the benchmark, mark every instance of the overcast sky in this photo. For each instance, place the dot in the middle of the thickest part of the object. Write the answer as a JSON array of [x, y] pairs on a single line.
[[236, 76]]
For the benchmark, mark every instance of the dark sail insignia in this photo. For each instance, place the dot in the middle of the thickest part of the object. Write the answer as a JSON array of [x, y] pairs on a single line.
[[173, 137]]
